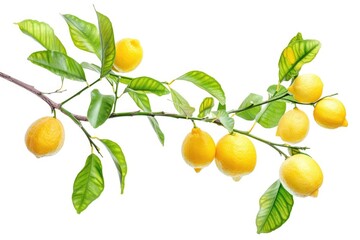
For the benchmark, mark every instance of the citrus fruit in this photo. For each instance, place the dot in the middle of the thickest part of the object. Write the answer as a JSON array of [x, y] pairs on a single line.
[[293, 126], [128, 55], [198, 149], [301, 175], [330, 113], [235, 155], [306, 88], [45, 136]]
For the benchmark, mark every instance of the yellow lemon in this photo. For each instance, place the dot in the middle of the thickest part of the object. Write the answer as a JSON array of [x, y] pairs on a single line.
[[45, 136], [293, 126], [301, 175], [235, 155], [330, 113], [128, 56], [306, 88], [198, 149]]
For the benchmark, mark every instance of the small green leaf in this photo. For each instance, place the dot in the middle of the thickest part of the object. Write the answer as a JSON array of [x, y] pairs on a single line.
[[249, 112], [180, 104], [58, 63], [100, 108], [89, 184], [148, 85], [295, 55], [270, 115], [221, 107], [141, 100], [275, 208], [119, 159], [205, 107], [111, 77], [156, 127], [274, 91], [205, 82], [227, 121], [107, 44], [43, 34], [84, 35]]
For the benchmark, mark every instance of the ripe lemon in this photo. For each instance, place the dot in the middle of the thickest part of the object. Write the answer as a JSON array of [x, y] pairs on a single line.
[[293, 126], [306, 88], [301, 175], [128, 56], [198, 149], [235, 155], [45, 136], [330, 113]]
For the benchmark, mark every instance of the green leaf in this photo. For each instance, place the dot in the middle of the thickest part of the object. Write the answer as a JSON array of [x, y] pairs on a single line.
[[295, 55], [180, 104], [205, 107], [148, 85], [43, 34], [227, 121], [111, 77], [156, 127], [100, 108], [58, 63], [141, 100], [107, 44], [250, 112], [89, 184], [270, 115], [205, 82], [84, 35], [275, 208], [119, 159], [273, 91]]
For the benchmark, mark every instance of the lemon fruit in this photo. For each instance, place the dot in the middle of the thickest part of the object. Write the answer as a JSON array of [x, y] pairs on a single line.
[[301, 175], [330, 113], [128, 56], [306, 88], [293, 126], [198, 149], [235, 155], [45, 136]]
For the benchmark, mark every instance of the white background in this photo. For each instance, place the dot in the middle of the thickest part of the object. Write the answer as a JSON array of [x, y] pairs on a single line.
[[238, 43]]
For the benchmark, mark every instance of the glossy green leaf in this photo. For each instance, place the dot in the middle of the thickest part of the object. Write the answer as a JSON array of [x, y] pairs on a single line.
[[58, 63], [111, 77], [227, 121], [249, 113], [205, 82], [89, 184], [275, 208], [100, 108], [270, 115], [148, 85], [107, 44], [181, 104], [295, 55], [119, 159], [157, 129], [43, 34], [84, 35], [141, 100], [205, 107]]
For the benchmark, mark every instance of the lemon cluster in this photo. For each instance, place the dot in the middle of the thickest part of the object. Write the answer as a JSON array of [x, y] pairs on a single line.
[[300, 174], [234, 154], [329, 112]]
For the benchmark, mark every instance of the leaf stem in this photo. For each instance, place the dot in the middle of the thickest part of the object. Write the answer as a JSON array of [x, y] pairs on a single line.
[[79, 92]]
